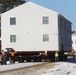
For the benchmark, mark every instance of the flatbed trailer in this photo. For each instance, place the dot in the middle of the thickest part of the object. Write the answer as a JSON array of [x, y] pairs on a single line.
[[35, 56]]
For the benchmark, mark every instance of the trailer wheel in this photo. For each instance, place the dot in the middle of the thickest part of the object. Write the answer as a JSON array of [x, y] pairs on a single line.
[[20, 59], [65, 57], [28, 60], [40, 58]]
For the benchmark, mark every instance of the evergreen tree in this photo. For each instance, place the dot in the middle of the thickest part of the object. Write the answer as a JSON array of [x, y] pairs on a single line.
[[6, 5], [73, 32]]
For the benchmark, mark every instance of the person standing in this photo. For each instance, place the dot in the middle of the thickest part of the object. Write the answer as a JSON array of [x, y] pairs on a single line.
[[12, 56], [0, 56], [56, 56], [4, 58]]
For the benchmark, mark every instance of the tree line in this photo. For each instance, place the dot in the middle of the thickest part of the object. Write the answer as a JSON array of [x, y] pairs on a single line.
[[73, 32], [6, 5]]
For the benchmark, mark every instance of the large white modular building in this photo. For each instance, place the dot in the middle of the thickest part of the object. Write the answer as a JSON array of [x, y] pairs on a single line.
[[30, 27]]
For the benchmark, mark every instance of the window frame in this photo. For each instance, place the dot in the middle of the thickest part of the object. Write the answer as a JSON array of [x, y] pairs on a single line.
[[12, 20], [45, 37], [45, 19], [12, 38]]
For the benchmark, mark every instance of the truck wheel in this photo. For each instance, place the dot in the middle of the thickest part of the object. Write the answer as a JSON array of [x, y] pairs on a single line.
[[40, 59], [28, 60], [20, 60], [65, 57]]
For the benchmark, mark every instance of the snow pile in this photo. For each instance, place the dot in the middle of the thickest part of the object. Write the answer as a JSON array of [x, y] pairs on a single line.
[[63, 68]]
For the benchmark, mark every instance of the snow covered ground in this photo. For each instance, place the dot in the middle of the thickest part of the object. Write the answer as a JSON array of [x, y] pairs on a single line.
[[61, 68], [67, 67]]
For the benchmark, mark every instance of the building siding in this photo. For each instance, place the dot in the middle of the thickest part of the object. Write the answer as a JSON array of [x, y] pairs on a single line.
[[29, 28]]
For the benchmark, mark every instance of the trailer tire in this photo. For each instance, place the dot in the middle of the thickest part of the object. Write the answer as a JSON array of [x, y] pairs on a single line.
[[65, 57], [28, 60], [21, 59]]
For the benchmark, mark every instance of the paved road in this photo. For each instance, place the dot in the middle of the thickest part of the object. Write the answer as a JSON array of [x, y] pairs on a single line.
[[18, 65]]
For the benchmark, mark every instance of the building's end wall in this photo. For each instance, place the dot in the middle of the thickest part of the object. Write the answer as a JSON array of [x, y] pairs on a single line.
[[65, 34]]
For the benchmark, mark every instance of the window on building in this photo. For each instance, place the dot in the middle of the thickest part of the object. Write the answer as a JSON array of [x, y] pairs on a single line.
[[12, 38], [46, 20], [12, 21], [45, 37]]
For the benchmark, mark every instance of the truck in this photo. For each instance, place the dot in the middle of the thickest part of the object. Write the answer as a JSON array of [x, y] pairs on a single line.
[[35, 33]]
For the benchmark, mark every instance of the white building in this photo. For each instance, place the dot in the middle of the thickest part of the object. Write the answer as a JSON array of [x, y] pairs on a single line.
[[30, 27], [74, 42]]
